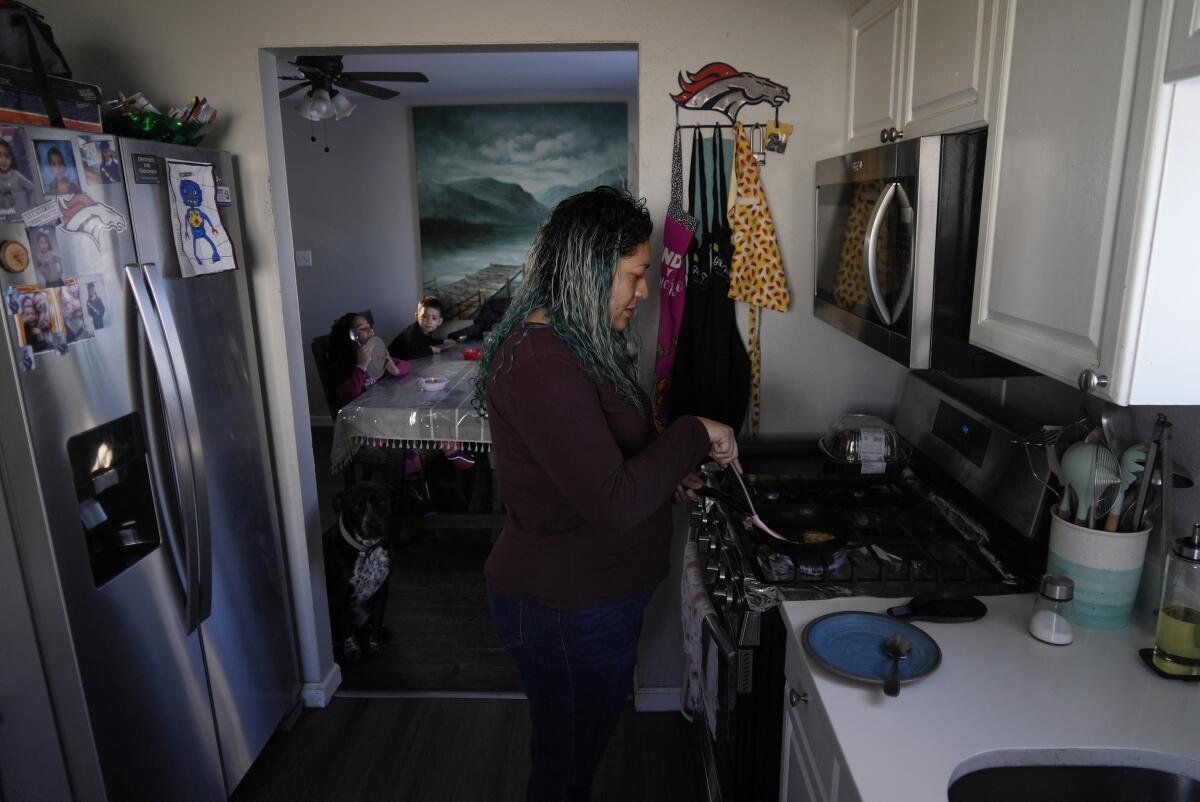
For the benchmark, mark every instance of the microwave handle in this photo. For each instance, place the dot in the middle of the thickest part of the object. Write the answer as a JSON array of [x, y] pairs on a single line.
[[881, 205], [906, 217]]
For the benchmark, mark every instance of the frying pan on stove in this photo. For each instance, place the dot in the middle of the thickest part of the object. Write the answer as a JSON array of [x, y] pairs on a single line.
[[791, 521]]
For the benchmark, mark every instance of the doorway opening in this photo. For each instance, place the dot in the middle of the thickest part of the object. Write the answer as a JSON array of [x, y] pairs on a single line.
[[398, 189]]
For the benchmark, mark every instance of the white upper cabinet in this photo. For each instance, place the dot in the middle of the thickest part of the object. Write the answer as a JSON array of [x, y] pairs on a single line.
[[1083, 254], [1183, 56], [920, 66], [875, 51]]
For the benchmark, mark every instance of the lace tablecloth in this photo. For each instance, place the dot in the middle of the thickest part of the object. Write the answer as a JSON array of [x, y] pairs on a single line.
[[397, 413]]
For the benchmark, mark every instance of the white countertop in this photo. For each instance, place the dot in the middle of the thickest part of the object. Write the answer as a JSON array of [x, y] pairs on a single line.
[[998, 688]]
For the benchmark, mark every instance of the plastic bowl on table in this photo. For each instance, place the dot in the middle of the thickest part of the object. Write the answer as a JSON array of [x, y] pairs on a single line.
[[472, 354], [432, 384]]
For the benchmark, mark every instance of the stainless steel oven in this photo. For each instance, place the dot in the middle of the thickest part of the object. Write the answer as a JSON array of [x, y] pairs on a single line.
[[896, 233]]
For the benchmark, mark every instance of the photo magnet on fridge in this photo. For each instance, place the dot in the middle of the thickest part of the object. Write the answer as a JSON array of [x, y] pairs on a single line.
[[38, 323], [95, 299], [17, 190], [100, 163], [200, 236], [76, 325], [56, 164], [44, 254]]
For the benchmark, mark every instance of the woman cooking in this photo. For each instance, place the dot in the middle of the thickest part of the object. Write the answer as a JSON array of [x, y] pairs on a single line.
[[587, 481]]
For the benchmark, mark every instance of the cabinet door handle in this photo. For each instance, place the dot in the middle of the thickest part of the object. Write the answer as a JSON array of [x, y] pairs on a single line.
[[1090, 380], [797, 698]]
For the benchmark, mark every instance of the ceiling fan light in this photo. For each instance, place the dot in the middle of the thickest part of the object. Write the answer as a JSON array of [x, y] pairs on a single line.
[[342, 106], [305, 109], [322, 104]]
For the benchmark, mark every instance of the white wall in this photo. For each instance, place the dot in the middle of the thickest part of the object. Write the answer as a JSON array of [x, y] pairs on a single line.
[[812, 373], [355, 209]]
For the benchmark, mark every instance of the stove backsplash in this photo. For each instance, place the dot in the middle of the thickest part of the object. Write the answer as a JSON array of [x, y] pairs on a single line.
[[1053, 402]]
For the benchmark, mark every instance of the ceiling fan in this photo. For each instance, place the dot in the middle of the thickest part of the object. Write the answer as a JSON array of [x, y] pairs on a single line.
[[324, 76]]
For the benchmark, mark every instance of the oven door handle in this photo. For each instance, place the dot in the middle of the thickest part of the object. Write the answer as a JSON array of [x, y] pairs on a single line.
[[724, 643], [881, 206]]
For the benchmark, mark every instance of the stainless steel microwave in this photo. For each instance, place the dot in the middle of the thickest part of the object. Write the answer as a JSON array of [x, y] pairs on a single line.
[[896, 233]]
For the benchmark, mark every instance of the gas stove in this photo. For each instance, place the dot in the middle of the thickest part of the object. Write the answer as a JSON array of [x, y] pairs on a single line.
[[917, 529]]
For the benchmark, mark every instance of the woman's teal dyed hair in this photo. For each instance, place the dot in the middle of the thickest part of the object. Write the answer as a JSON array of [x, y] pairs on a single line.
[[570, 275]]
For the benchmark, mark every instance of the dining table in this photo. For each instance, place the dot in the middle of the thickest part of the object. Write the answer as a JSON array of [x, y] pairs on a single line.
[[400, 413]]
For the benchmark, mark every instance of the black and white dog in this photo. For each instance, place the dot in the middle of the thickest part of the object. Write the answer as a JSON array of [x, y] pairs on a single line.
[[358, 562]]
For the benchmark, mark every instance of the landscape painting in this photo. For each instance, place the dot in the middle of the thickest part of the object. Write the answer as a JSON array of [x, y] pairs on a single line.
[[488, 175]]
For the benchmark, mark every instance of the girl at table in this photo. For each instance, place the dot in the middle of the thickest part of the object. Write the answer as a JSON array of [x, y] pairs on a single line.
[[349, 358], [587, 481]]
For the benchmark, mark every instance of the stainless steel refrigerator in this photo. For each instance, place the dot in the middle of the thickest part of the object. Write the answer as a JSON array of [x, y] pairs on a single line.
[[135, 462]]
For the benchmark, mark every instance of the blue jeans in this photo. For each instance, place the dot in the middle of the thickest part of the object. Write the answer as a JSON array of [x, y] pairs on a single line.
[[576, 667]]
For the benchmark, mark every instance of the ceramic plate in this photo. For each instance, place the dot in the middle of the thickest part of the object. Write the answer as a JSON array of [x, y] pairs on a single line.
[[850, 644]]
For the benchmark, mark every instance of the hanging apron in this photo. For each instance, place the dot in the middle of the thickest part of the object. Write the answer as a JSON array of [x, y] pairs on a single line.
[[757, 275], [678, 233], [711, 376]]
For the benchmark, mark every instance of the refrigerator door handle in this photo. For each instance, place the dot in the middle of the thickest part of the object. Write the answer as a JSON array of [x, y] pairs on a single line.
[[183, 438]]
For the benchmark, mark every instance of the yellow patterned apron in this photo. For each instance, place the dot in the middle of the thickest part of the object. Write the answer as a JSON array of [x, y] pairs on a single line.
[[757, 276]]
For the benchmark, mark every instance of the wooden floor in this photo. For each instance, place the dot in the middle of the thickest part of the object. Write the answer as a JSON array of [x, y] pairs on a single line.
[[437, 614], [456, 750]]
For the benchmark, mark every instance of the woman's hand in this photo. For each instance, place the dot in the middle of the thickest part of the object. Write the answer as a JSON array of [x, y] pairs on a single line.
[[686, 489], [363, 357], [390, 366], [723, 441]]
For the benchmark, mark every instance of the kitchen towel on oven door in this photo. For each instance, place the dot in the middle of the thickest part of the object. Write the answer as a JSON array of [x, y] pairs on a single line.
[[711, 376], [678, 231], [699, 673], [756, 275]]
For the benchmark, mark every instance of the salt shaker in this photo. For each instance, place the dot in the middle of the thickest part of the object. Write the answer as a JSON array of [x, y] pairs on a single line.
[[1051, 619]]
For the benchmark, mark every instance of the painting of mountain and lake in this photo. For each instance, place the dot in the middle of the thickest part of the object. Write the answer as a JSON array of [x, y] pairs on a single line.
[[488, 175]]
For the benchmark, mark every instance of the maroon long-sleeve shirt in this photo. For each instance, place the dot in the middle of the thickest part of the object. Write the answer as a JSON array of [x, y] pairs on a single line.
[[585, 479]]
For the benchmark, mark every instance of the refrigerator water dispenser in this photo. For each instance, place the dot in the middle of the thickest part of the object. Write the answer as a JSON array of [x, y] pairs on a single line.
[[112, 485]]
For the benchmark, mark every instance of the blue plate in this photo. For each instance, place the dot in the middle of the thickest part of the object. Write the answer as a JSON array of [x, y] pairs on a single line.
[[851, 644]]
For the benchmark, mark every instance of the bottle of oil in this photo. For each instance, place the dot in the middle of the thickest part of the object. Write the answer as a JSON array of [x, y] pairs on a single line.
[[1177, 641]]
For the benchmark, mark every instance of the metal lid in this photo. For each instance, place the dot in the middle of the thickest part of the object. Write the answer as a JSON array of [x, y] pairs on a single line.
[[1189, 547], [1059, 588]]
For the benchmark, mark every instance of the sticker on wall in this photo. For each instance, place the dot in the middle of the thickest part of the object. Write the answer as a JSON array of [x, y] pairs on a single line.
[[38, 325], [100, 163], [95, 300], [10, 298], [56, 164], [224, 197], [17, 190], [200, 236], [81, 214]]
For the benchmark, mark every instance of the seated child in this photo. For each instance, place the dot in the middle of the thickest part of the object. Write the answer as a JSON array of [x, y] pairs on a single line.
[[348, 357], [417, 340]]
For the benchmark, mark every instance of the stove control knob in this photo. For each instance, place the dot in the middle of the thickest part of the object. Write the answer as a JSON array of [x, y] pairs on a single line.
[[722, 574], [712, 543], [702, 541], [722, 596], [711, 574]]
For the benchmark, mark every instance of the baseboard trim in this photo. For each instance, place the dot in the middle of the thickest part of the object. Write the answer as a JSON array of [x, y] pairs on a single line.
[[320, 694], [656, 700], [430, 695]]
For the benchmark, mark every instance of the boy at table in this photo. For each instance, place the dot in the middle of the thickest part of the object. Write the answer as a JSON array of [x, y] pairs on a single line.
[[417, 340]]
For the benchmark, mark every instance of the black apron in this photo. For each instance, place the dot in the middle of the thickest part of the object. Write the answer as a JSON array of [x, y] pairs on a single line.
[[711, 376]]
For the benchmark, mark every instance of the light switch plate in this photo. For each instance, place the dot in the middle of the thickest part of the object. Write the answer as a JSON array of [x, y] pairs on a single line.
[[303, 258]]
